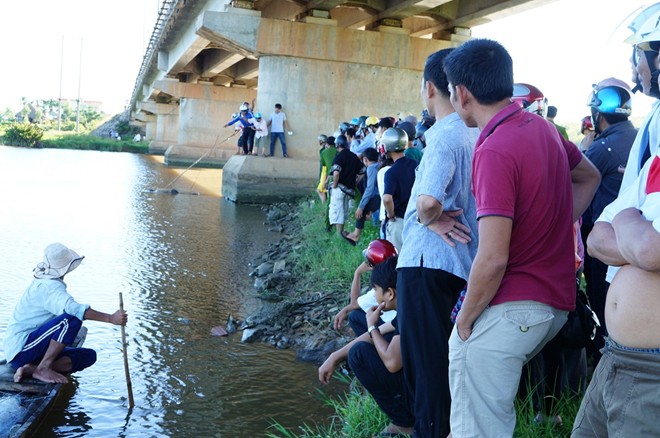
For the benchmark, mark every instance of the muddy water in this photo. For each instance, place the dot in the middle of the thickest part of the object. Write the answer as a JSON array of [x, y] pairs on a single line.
[[181, 262]]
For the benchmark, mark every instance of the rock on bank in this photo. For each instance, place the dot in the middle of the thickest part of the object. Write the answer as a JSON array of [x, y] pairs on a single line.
[[289, 315]]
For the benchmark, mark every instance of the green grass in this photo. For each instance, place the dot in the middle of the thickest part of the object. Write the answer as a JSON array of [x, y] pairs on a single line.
[[326, 262], [92, 143], [356, 416]]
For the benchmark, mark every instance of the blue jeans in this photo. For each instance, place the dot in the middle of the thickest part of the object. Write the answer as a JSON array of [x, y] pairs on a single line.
[[273, 137], [63, 329]]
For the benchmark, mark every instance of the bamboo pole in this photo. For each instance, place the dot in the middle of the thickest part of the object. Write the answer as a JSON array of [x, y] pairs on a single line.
[[129, 385]]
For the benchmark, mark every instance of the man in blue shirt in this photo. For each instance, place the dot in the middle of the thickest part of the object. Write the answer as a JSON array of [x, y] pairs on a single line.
[[439, 244], [370, 201]]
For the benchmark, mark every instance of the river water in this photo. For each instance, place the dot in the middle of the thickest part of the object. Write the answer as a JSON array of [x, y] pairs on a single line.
[[182, 264]]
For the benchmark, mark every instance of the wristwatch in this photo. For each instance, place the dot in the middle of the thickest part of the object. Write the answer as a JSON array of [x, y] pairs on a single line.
[[371, 329]]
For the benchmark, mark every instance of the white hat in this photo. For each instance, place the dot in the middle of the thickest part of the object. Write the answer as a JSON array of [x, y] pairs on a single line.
[[58, 261]]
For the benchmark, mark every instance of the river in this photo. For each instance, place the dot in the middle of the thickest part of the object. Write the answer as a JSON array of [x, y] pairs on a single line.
[[182, 263]]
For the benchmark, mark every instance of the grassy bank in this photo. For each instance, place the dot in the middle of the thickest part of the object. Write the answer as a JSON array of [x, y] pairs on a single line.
[[92, 143], [324, 261]]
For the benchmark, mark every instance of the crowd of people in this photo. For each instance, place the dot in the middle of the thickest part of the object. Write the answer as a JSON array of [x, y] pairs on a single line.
[[489, 217], [490, 222], [253, 130]]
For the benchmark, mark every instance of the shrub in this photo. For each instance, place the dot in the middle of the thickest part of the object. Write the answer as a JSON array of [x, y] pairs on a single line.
[[23, 134]]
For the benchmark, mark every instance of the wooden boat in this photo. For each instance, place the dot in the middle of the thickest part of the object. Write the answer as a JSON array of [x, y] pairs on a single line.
[[24, 405]]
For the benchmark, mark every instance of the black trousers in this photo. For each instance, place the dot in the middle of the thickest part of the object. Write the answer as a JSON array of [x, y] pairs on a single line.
[[386, 388], [247, 137], [425, 298]]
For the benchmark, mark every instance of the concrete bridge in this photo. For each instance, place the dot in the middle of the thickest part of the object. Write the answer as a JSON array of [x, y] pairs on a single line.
[[325, 61]]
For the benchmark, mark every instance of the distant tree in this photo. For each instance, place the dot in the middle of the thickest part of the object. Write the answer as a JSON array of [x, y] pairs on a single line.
[[8, 115]]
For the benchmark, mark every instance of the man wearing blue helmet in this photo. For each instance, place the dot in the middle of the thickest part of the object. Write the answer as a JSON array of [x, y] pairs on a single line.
[[610, 103], [260, 127]]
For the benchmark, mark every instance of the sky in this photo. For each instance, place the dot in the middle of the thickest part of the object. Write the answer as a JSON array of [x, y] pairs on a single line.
[[561, 48]]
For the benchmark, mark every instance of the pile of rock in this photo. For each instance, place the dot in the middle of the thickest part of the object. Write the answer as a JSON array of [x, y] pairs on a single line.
[[287, 318]]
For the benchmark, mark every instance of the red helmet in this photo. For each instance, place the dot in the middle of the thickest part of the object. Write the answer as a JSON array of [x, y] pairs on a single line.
[[530, 99], [378, 251], [586, 124]]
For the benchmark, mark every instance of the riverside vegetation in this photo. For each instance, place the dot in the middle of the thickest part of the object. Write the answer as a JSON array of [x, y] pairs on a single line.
[[322, 261]]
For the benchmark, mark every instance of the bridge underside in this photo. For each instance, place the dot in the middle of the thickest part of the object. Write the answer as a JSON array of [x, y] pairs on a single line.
[[325, 61]]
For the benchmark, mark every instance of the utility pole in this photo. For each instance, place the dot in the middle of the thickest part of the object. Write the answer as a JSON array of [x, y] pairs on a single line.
[[79, 81], [59, 104]]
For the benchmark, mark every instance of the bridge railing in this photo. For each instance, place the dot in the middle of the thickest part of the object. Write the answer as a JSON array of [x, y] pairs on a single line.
[[168, 7]]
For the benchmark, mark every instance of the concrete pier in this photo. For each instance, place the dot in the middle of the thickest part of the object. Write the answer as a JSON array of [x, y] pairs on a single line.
[[324, 61]]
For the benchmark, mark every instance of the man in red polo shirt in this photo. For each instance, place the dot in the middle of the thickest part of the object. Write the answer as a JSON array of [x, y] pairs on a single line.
[[530, 185]]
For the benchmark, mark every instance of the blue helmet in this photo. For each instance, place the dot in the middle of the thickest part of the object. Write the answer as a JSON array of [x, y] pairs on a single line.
[[611, 100], [257, 115]]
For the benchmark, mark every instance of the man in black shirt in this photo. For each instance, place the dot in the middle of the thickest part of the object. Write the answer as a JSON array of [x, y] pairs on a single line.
[[345, 170]]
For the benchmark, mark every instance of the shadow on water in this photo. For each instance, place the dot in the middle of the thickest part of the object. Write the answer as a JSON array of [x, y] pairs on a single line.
[[182, 264]]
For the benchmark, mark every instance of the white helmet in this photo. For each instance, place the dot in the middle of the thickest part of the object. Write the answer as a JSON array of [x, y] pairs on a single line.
[[244, 107], [643, 24]]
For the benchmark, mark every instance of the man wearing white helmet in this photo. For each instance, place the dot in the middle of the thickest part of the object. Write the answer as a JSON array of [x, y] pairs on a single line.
[[622, 398], [399, 181]]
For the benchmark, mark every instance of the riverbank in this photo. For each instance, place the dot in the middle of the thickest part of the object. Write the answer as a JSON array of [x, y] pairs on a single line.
[[303, 280]]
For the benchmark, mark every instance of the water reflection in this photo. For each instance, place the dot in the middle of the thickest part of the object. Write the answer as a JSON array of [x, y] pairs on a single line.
[[181, 262]]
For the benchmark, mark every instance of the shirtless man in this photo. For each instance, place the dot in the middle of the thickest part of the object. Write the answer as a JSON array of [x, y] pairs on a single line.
[[622, 398]]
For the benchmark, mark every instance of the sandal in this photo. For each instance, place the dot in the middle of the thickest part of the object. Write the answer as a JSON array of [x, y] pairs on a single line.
[[344, 234]]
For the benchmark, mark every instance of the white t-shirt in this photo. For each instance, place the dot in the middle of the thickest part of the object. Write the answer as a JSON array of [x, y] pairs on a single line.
[[260, 125], [643, 194], [380, 179], [277, 121], [368, 300]]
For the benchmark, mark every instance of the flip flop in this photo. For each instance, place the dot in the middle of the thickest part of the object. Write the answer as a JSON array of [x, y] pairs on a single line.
[[348, 239]]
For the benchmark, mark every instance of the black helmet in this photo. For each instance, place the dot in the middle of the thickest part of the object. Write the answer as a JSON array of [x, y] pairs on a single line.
[[341, 141], [343, 126]]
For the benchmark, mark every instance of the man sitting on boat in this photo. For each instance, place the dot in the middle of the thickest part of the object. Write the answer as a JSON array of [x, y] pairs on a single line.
[[47, 319]]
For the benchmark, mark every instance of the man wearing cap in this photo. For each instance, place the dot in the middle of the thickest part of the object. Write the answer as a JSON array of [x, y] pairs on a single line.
[[369, 128], [47, 319]]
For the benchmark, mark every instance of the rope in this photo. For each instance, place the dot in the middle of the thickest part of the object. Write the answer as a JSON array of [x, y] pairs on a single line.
[[206, 154]]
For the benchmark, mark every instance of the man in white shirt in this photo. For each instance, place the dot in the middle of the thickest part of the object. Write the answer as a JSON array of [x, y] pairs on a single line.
[[261, 128], [277, 125]]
